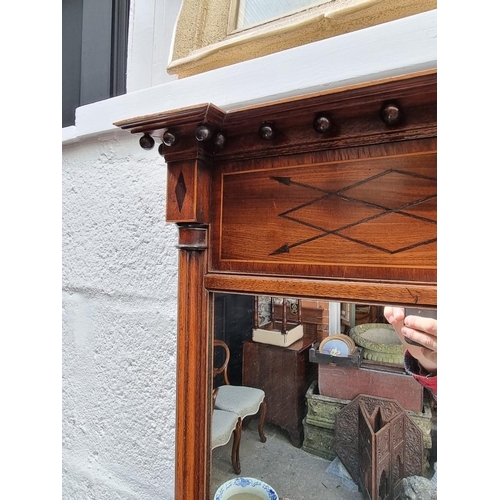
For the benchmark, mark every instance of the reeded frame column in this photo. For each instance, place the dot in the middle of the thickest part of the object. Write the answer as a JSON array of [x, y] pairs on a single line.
[[193, 355]]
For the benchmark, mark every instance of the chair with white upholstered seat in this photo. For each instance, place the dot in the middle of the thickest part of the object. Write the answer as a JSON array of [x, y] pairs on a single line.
[[224, 425], [242, 400]]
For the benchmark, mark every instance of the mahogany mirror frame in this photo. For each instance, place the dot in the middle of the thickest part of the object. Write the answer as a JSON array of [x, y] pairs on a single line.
[[220, 190]]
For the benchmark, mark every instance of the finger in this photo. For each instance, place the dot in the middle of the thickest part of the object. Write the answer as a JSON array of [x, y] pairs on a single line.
[[394, 314], [389, 315], [427, 325], [428, 341], [411, 342]]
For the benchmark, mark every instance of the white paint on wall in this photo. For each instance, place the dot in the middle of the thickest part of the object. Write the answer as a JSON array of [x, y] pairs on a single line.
[[152, 24], [387, 50], [119, 324]]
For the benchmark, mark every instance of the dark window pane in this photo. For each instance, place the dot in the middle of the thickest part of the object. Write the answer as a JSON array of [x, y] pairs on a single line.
[[95, 34], [71, 58]]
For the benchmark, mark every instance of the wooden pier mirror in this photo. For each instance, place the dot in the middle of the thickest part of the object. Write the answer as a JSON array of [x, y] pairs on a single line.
[[328, 196]]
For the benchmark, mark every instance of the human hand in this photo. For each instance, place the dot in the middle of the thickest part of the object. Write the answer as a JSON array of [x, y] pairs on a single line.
[[418, 329]]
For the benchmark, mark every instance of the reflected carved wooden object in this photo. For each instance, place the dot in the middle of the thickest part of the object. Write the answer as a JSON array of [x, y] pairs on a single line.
[[331, 195], [379, 445]]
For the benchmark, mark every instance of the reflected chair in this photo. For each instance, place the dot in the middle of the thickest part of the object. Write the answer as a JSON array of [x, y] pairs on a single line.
[[242, 400], [224, 425]]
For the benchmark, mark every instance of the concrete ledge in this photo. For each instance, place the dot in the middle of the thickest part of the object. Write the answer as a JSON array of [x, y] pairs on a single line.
[[392, 49]]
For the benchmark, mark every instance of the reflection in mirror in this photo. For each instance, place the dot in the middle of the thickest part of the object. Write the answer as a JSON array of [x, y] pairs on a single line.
[[317, 375]]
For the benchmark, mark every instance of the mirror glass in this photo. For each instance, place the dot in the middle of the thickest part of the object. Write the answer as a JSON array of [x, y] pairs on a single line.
[[285, 353]]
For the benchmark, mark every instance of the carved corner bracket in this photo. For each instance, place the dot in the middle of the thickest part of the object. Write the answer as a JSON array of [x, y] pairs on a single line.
[[187, 139]]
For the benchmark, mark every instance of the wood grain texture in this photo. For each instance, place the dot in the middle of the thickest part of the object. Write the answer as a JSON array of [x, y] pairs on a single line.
[[364, 219], [284, 374], [360, 292], [193, 373], [347, 215], [188, 182]]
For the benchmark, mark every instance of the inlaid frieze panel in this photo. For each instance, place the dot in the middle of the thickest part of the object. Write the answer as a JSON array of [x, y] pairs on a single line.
[[357, 218]]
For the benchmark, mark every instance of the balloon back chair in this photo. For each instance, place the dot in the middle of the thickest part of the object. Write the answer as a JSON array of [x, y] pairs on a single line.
[[242, 400], [224, 425]]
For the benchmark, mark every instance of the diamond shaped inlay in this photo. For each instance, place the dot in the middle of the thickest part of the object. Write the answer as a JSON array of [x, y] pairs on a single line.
[[180, 191], [392, 189], [371, 233], [361, 211], [332, 214]]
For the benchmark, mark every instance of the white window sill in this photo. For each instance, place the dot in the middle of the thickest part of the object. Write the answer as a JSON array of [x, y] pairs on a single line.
[[388, 50]]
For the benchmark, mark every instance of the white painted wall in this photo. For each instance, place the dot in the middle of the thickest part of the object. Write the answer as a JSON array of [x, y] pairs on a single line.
[[152, 25], [119, 323], [119, 257], [119, 298]]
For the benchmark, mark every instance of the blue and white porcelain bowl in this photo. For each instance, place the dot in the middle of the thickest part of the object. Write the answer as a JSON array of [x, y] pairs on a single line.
[[245, 488]]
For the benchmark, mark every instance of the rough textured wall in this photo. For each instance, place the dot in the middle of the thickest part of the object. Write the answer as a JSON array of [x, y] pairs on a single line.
[[119, 323]]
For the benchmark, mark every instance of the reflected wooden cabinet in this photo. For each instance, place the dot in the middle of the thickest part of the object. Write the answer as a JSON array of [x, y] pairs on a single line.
[[284, 374]]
